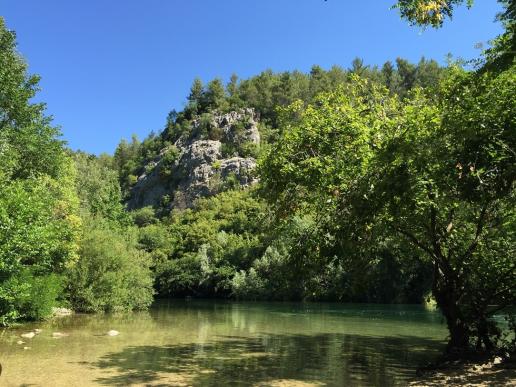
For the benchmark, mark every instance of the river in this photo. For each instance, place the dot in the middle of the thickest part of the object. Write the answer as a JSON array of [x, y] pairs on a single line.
[[214, 343]]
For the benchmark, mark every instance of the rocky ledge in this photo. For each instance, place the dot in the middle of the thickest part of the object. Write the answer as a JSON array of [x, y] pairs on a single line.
[[201, 166]]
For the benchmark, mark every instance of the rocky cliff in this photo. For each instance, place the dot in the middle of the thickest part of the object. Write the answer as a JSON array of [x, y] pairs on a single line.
[[216, 155]]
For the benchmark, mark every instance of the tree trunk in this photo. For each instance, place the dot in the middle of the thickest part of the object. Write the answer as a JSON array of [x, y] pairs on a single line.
[[445, 291]]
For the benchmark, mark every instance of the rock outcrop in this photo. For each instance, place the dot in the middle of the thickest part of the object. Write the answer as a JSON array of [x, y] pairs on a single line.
[[201, 166]]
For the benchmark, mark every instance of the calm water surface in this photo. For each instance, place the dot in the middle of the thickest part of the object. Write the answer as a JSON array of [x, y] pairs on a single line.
[[208, 343]]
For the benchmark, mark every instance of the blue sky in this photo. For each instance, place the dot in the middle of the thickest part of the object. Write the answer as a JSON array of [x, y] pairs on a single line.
[[111, 68]]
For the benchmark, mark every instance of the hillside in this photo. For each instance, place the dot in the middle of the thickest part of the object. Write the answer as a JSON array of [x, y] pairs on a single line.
[[213, 144], [216, 155]]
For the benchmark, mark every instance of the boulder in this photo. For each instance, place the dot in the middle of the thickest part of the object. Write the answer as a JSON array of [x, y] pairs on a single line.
[[61, 312]]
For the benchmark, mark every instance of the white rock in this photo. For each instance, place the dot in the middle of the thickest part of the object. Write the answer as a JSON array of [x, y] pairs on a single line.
[[61, 312], [497, 360], [20, 342], [37, 331], [26, 347], [113, 333], [28, 335]]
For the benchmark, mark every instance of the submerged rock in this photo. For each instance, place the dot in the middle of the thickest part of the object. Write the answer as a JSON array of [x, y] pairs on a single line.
[[28, 335], [58, 335], [113, 333]]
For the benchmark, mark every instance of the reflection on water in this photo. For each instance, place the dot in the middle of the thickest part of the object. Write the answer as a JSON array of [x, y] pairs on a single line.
[[206, 343], [334, 359]]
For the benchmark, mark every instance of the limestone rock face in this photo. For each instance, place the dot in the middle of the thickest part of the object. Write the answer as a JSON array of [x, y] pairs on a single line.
[[245, 116], [200, 169], [240, 168]]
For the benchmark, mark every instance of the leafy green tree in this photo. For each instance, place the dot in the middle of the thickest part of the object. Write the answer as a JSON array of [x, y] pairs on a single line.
[[390, 77], [428, 73], [434, 12], [407, 73], [437, 175], [39, 226], [98, 188], [144, 216], [234, 100], [195, 98], [127, 161], [215, 96], [112, 274], [358, 67], [18, 87], [429, 12], [208, 244], [318, 80]]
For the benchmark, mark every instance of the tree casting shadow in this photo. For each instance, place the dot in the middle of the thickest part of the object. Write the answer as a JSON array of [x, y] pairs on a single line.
[[333, 359]]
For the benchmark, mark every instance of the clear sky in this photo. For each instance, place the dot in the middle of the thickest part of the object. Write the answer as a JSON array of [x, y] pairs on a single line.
[[111, 68]]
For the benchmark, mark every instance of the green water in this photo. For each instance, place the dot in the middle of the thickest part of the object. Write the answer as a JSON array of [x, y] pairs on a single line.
[[208, 343]]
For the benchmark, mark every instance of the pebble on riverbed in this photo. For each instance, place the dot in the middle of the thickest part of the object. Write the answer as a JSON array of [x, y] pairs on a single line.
[[113, 333], [20, 342], [28, 335], [58, 335]]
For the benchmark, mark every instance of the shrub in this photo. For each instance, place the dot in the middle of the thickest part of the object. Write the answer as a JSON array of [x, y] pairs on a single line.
[[38, 236], [248, 285], [112, 274], [209, 244], [249, 149], [168, 161], [144, 216], [41, 295], [268, 278], [228, 150]]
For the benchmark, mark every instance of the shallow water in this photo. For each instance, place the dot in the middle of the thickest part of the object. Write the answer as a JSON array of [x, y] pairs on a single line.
[[209, 343]]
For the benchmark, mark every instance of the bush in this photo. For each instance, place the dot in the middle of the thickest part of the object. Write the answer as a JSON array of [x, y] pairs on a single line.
[[38, 236], [248, 285], [228, 150], [41, 295], [112, 274], [208, 245], [144, 216], [268, 278], [249, 149], [168, 161], [155, 239]]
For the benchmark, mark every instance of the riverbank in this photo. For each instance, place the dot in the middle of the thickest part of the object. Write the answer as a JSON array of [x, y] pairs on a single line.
[[490, 373]]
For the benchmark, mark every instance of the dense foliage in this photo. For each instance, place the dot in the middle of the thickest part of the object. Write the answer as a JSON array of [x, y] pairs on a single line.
[[39, 224], [208, 244], [112, 272], [390, 184], [433, 176], [47, 200]]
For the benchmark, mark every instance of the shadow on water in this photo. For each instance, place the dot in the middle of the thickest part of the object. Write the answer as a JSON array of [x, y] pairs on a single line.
[[329, 359]]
